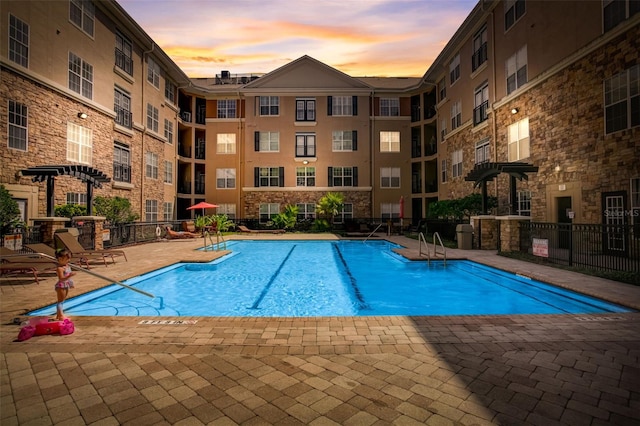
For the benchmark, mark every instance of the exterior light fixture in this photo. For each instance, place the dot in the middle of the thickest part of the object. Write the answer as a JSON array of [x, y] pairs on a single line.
[[305, 162], [514, 110], [82, 115]]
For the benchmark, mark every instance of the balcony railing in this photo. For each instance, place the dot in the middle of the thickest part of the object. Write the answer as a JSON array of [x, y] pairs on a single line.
[[184, 151], [479, 57], [124, 62], [199, 187], [122, 172], [200, 149], [480, 113], [184, 187], [185, 116], [123, 117]]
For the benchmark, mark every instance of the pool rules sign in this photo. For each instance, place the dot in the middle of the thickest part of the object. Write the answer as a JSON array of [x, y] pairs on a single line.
[[541, 247]]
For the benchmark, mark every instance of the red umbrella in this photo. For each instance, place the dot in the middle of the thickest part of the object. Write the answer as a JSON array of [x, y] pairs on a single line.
[[202, 205]]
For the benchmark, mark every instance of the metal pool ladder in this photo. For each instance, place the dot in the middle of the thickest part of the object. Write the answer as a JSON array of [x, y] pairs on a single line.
[[422, 239]]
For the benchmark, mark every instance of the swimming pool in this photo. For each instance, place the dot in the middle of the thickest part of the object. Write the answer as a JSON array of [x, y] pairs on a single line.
[[329, 278]]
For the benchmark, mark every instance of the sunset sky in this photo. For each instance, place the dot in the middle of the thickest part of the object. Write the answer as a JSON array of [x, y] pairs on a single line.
[[358, 37]]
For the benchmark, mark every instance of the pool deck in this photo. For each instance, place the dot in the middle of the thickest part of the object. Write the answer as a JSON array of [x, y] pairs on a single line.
[[462, 370]]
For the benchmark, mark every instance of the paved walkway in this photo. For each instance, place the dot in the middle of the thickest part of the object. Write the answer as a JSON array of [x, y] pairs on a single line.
[[466, 370]]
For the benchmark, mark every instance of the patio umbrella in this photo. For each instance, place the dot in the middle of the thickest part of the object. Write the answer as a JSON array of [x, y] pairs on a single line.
[[202, 205]]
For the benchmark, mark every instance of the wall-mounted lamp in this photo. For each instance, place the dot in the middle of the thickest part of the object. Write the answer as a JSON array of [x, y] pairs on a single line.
[[514, 110], [557, 169], [82, 115], [305, 162]]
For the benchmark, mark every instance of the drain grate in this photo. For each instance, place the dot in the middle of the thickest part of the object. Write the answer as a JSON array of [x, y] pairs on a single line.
[[597, 318], [168, 322]]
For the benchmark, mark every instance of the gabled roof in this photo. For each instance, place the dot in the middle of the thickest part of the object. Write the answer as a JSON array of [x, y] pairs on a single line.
[[306, 73]]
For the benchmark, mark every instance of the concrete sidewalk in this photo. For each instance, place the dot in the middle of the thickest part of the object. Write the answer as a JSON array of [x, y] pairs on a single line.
[[535, 369]]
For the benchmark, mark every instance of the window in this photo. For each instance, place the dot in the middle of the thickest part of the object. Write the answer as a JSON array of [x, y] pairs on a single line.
[[389, 141], [168, 131], [524, 203], [456, 163], [389, 107], [305, 176], [269, 176], [121, 163], [79, 143], [18, 41], [228, 209], [616, 11], [343, 176], [622, 100], [390, 177], [170, 91], [305, 145], [389, 211], [153, 73], [517, 70], [443, 129], [226, 143], [456, 115], [341, 106], [481, 104], [77, 198], [442, 90], [122, 107], [268, 211], [151, 211], [82, 14], [269, 105], [454, 69], [80, 76], [443, 171], [168, 172], [305, 110], [124, 54], [17, 125], [267, 141], [225, 178], [151, 165], [345, 140], [306, 211], [483, 151], [167, 211], [152, 118], [479, 49], [518, 135], [345, 215], [513, 10], [226, 108]]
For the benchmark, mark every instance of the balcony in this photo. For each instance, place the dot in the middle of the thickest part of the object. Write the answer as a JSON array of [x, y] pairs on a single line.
[[480, 113], [123, 117], [199, 187], [184, 187], [185, 116], [200, 149], [479, 57], [184, 151]]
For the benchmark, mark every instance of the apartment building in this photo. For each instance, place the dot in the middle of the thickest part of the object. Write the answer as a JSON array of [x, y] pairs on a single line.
[[536, 103]]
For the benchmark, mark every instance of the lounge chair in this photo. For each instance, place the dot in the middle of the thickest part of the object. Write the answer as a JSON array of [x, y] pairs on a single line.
[[244, 229], [19, 268], [189, 226], [50, 252], [12, 256], [180, 235], [74, 246], [69, 242]]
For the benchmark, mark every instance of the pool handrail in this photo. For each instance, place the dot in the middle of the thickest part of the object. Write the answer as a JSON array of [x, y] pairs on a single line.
[[435, 247], [421, 239], [373, 232], [95, 274]]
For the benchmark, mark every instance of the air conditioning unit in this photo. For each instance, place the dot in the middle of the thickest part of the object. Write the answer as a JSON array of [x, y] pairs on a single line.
[[186, 116]]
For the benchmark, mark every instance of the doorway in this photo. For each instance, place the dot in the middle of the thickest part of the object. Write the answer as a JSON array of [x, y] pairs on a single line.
[[563, 210]]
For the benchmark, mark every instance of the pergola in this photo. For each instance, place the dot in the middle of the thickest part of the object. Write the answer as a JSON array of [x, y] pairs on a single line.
[[484, 172], [94, 179]]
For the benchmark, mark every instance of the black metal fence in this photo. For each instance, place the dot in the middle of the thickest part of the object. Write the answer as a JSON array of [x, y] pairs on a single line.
[[30, 235], [595, 247], [135, 232]]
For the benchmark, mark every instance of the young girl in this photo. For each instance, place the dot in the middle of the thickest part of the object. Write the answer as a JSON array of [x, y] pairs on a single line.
[[64, 280]]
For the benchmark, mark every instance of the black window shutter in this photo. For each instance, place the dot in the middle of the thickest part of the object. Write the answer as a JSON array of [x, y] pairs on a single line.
[[330, 173], [256, 138], [354, 136], [256, 176], [329, 105], [355, 176], [354, 103], [281, 176]]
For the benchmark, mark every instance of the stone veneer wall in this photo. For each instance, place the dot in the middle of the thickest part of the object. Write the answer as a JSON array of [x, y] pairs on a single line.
[[361, 201]]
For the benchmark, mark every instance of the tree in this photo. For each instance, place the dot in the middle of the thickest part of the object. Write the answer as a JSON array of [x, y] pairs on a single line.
[[115, 209], [460, 208], [330, 205], [9, 211]]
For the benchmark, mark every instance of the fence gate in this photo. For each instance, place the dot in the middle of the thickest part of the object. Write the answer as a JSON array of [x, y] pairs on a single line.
[[614, 238]]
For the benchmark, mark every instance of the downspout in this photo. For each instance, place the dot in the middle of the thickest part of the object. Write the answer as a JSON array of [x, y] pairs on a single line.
[[372, 173], [240, 149], [144, 134], [495, 117]]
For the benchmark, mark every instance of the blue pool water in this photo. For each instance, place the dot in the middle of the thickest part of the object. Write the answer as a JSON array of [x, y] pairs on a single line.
[[328, 278]]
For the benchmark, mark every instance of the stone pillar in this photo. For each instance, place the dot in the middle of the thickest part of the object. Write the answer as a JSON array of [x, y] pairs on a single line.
[[510, 232], [485, 231], [49, 226], [98, 222]]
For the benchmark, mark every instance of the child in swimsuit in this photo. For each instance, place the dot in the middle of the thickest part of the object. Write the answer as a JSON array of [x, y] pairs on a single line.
[[64, 280]]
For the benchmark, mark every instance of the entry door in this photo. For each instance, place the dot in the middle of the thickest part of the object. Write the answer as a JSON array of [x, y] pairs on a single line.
[[564, 222], [614, 235]]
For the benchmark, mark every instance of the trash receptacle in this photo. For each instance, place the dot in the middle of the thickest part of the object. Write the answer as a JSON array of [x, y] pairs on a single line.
[[465, 236]]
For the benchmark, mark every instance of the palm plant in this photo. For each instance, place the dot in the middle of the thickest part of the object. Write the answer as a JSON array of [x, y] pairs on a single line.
[[330, 205]]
